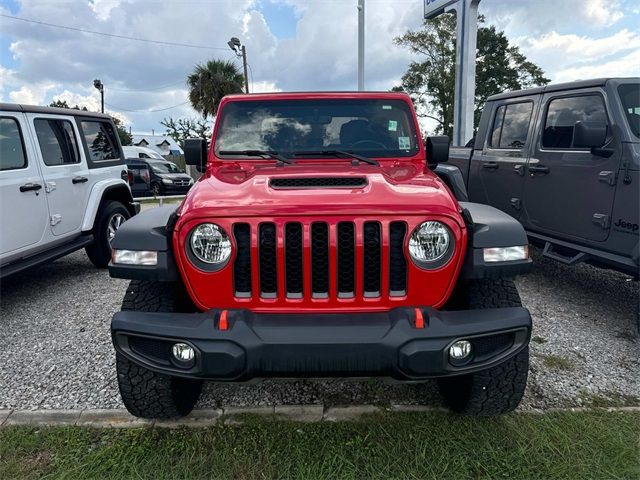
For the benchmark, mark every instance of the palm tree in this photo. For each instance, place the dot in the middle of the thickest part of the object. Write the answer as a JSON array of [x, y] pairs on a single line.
[[210, 82]]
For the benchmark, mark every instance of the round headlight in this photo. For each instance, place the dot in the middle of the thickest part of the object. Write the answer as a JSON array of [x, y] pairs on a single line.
[[210, 243], [430, 243]]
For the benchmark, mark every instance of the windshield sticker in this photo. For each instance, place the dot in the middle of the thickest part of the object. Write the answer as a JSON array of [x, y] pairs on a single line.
[[386, 107], [393, 125], [404, 143]]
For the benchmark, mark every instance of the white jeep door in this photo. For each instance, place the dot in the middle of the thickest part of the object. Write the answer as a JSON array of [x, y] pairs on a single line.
[[23, 203], [65, 171]]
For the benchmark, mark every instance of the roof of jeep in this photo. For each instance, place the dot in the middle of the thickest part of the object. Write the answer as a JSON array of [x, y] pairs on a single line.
[[316, 95], [557, 87], [15, 107]]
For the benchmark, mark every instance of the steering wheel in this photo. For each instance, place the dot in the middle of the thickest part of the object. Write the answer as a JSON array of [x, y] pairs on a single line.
[[375, 144]]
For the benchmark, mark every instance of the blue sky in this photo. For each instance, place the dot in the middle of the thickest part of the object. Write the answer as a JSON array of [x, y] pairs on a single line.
[[291, 45]]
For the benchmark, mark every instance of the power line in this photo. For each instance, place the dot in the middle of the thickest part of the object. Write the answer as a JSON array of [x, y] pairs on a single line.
[[137, 39], [181, 82], [145, 111]]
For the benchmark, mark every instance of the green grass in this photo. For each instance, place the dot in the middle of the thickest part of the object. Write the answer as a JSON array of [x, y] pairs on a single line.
[[567, 445], [556, 362]]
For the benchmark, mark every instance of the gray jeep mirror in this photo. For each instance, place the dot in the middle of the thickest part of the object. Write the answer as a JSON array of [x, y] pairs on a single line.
[[437, 150], [195, 153], [589, 134]]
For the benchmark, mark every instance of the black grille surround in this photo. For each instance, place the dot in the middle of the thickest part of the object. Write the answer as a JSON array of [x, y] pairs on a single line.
[[310, 252], [318, 182]]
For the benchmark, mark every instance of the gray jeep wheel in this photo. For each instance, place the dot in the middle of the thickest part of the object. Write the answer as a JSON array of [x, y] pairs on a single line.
[[148, 394], [499, 389]]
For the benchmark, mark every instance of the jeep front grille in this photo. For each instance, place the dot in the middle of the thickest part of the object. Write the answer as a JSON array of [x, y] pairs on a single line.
[[320, 260]]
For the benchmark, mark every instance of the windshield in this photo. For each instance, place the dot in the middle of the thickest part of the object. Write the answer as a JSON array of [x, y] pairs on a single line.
[[630, 96], [165, 167], [371, 128]]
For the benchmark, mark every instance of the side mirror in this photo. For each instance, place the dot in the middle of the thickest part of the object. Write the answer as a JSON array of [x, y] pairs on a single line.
[[589, 134], [195, 153], [437, 150]]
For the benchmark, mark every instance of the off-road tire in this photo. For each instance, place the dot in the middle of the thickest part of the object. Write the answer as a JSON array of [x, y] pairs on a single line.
[[499, 389], [99, 252], [145, 393]]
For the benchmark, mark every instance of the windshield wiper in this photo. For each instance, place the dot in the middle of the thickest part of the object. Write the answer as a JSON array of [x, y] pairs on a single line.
[[337, 153], [258, 153]]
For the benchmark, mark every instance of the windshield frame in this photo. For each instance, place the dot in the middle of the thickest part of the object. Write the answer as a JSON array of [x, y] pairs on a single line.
[[400, 101]]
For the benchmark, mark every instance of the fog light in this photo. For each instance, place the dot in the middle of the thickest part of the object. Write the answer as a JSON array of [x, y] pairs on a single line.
[[460, 350], [183, 352]]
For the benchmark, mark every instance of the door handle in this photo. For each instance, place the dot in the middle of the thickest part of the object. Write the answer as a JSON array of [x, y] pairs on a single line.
[[541, 169], [30, 187], [79, 180], [490, 165], [519, 169]]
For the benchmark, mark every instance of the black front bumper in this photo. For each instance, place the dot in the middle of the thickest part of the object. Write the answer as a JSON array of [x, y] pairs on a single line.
[[321, 345]]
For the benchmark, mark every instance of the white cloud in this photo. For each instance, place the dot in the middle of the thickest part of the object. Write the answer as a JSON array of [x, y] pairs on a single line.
[[102, 8], [31, 95], [603, 13], [627, 66]]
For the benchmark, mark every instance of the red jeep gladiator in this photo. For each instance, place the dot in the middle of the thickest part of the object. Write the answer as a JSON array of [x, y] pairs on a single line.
[[320, 243]]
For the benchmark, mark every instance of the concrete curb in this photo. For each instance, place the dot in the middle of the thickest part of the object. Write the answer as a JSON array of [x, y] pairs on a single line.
[[120, 418]]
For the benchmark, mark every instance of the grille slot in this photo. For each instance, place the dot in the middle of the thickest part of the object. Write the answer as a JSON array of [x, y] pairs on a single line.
[[318, 182], [242, 264], [371, 267], [346, 259], [293, 259], [320, 260], [268, 262], [149, 347], [397, 260]]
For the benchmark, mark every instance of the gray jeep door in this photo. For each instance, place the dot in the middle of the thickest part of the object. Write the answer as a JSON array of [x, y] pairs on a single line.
[[498, 172], [569, 191]]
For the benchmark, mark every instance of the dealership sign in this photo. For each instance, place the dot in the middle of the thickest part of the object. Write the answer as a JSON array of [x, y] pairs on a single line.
[[466, 33]]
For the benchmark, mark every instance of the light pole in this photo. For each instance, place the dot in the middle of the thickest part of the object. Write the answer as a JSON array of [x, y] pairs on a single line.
[[360, 44], [236, 46], [100, 86]]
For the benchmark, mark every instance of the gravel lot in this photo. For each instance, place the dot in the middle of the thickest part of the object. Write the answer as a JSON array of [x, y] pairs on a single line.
[[56, 350]]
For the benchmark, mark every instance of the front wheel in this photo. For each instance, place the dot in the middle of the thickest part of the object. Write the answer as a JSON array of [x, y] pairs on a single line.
[[499, 389], [108, 220], [145, 393]]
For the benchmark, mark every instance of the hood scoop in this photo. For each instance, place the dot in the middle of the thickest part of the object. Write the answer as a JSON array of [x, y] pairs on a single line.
[[317, 182]]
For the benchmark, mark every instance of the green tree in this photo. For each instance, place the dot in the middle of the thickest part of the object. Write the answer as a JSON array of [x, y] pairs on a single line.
[[210, 82], [184, 128], [500, 67], [125, 137]]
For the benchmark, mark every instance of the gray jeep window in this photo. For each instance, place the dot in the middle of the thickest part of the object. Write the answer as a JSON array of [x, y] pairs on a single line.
[[11, 145], [511, 125], [57, 141], [562, 115], [630, 96], [101, 141]]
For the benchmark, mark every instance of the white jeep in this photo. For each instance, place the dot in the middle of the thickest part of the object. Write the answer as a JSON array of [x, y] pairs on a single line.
[[63, 185]]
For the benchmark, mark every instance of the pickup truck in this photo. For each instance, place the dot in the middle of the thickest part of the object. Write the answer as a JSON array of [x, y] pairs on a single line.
[[320, 243], [564, 160]]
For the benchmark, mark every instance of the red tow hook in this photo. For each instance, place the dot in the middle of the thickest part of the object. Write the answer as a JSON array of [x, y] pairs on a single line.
[[419, 323], [223, 323]]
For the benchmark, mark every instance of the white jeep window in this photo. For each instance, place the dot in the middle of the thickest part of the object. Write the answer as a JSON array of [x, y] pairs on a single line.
[[101, 141], [57, 141], [11, 146]]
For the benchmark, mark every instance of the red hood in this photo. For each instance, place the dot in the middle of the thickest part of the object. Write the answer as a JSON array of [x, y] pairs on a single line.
[[243, 190]]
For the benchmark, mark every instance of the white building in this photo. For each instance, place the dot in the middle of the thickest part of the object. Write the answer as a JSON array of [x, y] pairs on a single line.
[[162, 144]]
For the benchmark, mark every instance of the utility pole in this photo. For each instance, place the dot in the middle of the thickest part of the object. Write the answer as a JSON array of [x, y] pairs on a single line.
[[100, 86], [360, 45], [241, 51]]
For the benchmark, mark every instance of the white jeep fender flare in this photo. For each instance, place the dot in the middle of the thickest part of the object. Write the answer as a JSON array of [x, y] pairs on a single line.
[[95, 198]]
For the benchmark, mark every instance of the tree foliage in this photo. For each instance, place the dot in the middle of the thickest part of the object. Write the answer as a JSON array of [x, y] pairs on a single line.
[[500, 67], [210, 82], [184, 128], [125, 137]]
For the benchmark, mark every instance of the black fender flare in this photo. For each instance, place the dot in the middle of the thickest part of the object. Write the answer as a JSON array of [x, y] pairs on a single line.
[[489, 227], [149, 230], [453, 178]]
